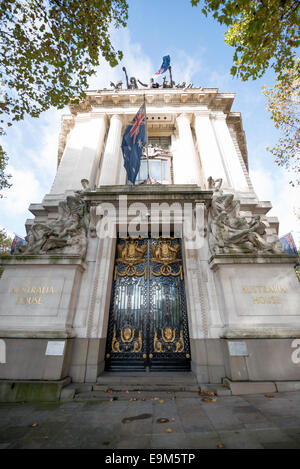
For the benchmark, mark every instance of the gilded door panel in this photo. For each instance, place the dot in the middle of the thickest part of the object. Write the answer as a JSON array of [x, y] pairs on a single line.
[[148, 321]]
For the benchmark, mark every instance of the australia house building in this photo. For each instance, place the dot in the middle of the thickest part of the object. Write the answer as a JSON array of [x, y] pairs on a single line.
[[182, 271]]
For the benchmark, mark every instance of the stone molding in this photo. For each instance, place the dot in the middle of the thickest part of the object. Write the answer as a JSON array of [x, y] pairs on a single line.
[[224, 259]]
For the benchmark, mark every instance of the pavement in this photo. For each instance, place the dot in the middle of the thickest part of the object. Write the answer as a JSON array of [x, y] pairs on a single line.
[[107, 419]]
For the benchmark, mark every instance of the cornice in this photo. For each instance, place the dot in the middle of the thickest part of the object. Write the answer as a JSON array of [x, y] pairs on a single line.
[[192, 97]]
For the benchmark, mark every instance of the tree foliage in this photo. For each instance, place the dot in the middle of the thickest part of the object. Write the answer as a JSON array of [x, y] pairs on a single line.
[[5, 242], [5, 246], [48, 50], [283, 102], [264, 33]]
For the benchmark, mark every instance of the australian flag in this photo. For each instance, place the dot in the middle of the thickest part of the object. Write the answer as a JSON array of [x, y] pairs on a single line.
[[17, 243], [164, 66], [134, 139], [288, 244]]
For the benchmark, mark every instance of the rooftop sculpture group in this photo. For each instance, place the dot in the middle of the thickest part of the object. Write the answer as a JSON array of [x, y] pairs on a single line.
[[132, 83]]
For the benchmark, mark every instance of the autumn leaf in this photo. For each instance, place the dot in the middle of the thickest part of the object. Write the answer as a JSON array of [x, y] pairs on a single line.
[[169, 430], [209, 399]]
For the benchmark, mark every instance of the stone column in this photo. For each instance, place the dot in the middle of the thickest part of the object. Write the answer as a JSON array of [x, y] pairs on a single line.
[[237, 177], [109, 171], [210, 155], [186, 163], [81, 155]]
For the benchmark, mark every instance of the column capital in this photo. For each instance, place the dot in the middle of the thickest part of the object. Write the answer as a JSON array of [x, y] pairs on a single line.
[[116, 117], [184, 116], [218, 115], [202, 113]]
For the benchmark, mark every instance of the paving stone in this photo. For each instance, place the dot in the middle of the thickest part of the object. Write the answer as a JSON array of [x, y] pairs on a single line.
[[239, 439], [283, 386], [247, 387], [252, 421]]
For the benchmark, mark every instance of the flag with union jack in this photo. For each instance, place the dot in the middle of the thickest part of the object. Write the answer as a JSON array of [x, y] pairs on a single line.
[[164, 66], [17, 243], [288, 244], [134, 139]]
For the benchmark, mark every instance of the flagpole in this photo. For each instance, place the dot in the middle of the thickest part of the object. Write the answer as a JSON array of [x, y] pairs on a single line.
[[148, 181]]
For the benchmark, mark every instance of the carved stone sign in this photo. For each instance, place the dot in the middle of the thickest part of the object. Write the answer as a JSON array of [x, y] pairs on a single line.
[[37, 296]]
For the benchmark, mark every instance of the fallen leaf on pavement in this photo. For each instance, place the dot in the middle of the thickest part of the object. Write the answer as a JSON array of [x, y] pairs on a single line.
[[34, 425], [206, 393], [269, 395], [169, 430], [209, 399]]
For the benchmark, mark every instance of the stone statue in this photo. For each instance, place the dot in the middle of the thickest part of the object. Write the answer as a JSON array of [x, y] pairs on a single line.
[[171, 83], [117, 86], [228, 231], [85, 184], [131, 84], [65, 235]]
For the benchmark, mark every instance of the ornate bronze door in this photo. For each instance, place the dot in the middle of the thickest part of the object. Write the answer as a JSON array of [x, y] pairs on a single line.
[[148, 324]]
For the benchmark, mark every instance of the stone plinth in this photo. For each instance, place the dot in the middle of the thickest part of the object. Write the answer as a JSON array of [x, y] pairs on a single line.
[[38, 296], [258, 295]]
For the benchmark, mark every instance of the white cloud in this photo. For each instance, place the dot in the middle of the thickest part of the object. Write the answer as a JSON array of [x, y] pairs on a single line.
[[274, 186], [26, 189], [136, 62]]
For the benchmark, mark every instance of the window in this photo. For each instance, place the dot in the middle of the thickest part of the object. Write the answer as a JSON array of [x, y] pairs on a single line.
[[159, 161]]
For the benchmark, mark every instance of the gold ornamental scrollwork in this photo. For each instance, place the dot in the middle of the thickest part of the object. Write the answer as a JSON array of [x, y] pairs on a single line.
[[168, 335], [180, 343], [157, 344], [131, 254], [137, 347], [127, 335], [127, 340], [115, 346], [164, 253]]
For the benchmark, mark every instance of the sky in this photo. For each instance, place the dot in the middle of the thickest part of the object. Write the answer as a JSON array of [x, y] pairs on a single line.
[[198, 55]]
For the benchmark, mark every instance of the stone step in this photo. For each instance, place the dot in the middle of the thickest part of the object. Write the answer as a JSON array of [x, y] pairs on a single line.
[[178, 387], [146, 379], [132, 393]]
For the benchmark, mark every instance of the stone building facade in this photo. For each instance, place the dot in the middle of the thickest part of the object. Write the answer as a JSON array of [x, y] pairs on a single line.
[[239, 293]]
